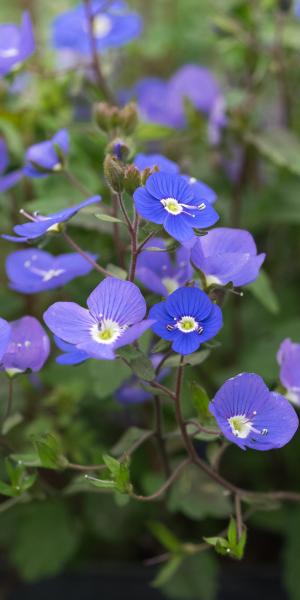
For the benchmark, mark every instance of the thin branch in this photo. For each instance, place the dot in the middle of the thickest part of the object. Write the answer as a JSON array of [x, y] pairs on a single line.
[[76, 183], [165, 486], [95, 56], [239, 516], [134, 253], [86, 256]]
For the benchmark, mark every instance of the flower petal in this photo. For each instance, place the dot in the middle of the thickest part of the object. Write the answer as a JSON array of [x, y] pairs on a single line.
[[148, 207], [5, 333], [69, 321], [187, 301], [118, 300]]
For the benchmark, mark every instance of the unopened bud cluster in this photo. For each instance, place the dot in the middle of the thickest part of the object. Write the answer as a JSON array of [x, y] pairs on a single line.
[[114, 119]]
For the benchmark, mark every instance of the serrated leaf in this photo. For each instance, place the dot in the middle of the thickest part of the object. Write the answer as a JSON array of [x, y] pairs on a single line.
[[49, 451], [108, 218], [262, 290]]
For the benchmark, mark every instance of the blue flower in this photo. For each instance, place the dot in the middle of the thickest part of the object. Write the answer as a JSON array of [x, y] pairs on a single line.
[[163, 101], [249, 415], [288, 357], [47, 157], [148, 161], [16, 44], [144, 161], [10, 179], [40, 225], [114, 318], [187, 319], [168, 200], [227, 255], [71, 355], [156, 271], [33, 270], [131, 391], [113, 26], [23, 345]]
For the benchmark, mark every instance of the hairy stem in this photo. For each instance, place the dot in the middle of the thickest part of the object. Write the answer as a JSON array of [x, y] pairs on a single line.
[[82, 253], [101, 82]]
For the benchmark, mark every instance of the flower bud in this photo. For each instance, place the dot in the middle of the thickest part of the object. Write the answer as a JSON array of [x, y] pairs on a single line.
[[128, 118], [106, 116], [114, 173], [147, 172], [132, 179], [118, 148]]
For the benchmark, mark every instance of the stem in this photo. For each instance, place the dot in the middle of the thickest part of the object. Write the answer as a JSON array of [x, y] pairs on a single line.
[[116, 230], [125, 213], [76, 183], [134, 253], [165, 486], [147, 238], [159, 436], [239, 516], [89, 259], [9, 399], [95, 56]]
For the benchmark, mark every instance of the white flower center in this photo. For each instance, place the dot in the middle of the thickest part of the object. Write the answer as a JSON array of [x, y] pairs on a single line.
[[172, 206], [107, 331], [241, 426], [170, 284], [211, 279], [57, 167], [102, 25], [8, 52], [188, 324], [45, 275]]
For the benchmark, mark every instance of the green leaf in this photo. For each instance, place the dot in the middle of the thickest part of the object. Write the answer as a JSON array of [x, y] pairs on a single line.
[[11, 422], [291, 553], [112, 464], [8, 490], [142, 367], [130, 437], [28, 460], [160, 346], [108, 218], [101, 483], [195, 577], [262, 290], [197, 497], [46, 538], [166, 572], [49, 451], [117, 271], [190, 359], [200, 401], [232, 532], [165, 536], [240, 546], [152, 131], [280, 146]]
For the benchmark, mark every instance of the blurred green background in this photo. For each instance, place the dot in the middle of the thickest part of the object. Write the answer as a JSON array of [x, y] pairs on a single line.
[[253, 48]]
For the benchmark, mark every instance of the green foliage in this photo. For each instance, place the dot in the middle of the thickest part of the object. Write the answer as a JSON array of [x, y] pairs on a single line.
[[231, 546], [192, 577]]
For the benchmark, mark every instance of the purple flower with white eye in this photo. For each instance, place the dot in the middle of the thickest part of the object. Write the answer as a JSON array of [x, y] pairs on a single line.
[[163, 101], [113, 26], [158, 273], [47, 157], [187, 318], [7, 180], [249, 415], [16, 44], [25, 345], [115, 318], [71, 354], [227, 255], [40, 225], [144, 161], [148, 161], [288, 358], [33, 270], [131, 392], [168, 200]]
